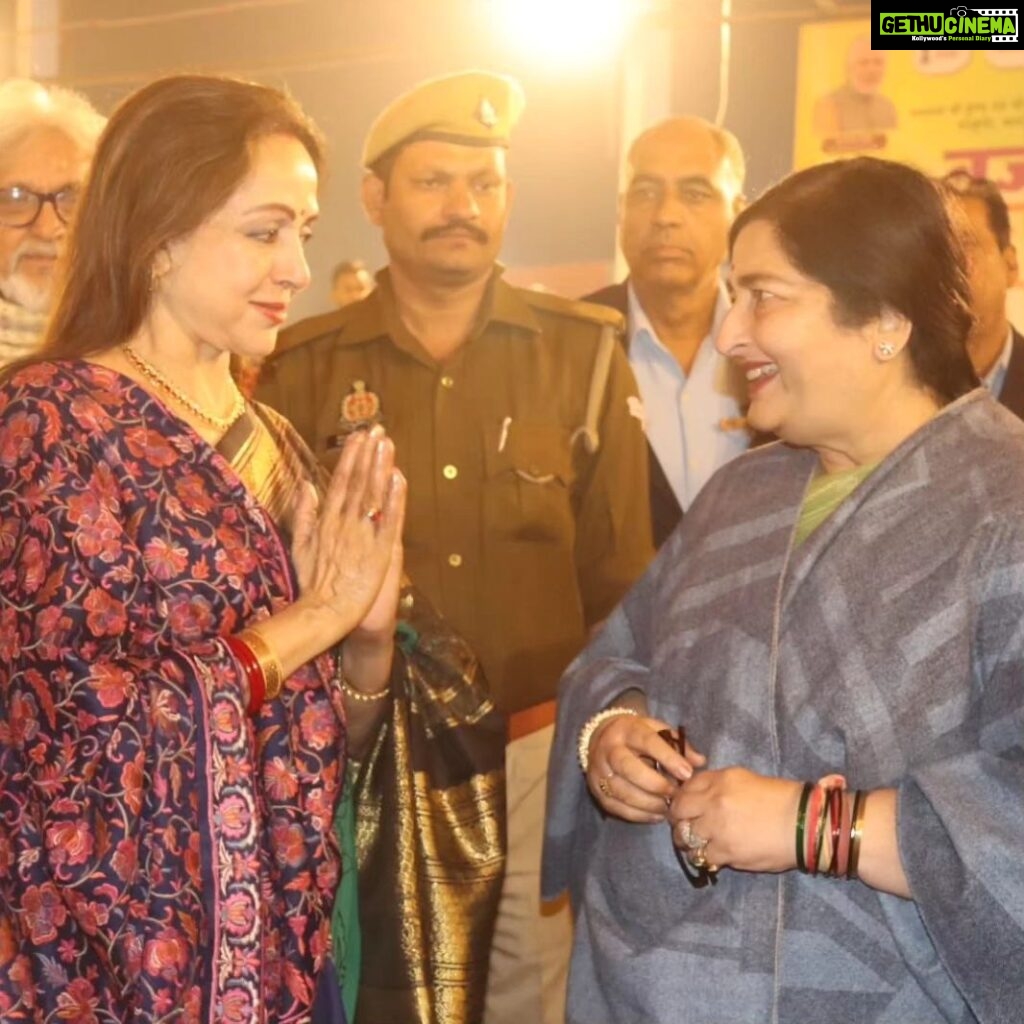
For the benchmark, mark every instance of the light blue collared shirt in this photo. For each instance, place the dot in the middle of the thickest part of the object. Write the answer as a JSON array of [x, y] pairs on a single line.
[[996, 377], [694, 424]]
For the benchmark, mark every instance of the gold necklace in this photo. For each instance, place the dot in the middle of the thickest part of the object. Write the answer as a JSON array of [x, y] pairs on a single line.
[[150, 372]]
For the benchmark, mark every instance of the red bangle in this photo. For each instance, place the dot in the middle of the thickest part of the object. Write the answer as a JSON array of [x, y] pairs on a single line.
[[251, 670], [257, 691], [819, 840], [814, 815], [269, 666], [824, 831], [843, 855], [835, 815]]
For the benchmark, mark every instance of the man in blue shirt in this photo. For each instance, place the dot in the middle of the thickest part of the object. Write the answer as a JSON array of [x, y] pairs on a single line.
[[683, 186]]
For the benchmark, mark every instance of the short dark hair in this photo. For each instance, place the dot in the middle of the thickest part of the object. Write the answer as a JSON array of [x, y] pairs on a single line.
[[963, 183], [880, 236]]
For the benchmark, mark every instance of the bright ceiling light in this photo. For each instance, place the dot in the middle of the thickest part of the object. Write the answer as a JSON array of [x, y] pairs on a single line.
[[564, 32]]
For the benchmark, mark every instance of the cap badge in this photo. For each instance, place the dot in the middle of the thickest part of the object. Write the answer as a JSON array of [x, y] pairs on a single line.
[[485, 113]]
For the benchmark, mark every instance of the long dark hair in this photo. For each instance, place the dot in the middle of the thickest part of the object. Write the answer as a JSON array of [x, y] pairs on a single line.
[[880, 236], [171, 155]]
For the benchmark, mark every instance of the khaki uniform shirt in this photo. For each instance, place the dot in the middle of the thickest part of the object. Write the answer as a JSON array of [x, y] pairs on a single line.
[[520, 535]]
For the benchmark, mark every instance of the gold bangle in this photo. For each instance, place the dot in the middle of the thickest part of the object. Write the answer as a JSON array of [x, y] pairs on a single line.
[[269, 665], [357, 695], [856, 833]]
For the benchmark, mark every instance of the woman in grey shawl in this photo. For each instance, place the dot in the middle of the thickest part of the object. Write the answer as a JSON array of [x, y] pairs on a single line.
[[848, 600]]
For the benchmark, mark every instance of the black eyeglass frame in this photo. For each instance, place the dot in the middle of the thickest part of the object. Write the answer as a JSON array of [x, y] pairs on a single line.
[[41, 198], [700, 877]]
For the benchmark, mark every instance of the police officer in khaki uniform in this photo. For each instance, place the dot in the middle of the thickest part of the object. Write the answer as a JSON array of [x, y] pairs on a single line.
[[516, 420]]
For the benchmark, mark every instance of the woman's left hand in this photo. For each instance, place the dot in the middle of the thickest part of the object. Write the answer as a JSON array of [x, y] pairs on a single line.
[[368, 650], [378, 624], [748, 819]]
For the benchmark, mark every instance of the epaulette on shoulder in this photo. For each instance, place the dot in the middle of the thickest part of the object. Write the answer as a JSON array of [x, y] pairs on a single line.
[[589, 311], [310, 329]]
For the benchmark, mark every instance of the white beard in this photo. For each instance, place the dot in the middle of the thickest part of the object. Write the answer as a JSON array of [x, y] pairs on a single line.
[[16, 288], [33, 297]]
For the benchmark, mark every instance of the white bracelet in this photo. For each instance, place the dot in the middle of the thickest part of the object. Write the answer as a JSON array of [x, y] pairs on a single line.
[[587, 732], [350, 691]]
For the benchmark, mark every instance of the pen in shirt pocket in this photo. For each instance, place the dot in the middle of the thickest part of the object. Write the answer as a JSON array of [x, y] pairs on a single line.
[[503, 437]]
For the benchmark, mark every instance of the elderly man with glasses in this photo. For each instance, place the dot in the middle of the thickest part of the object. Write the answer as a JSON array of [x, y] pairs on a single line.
[[47, 136]]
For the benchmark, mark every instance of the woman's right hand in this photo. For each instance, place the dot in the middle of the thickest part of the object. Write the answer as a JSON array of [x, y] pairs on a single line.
[[343, 550], [620, 773]]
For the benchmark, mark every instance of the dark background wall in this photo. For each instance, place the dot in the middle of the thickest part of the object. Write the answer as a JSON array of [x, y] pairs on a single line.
[[345, 59]]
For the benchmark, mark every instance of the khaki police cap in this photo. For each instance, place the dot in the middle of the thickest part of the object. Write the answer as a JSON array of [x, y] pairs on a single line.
[[471, 108]]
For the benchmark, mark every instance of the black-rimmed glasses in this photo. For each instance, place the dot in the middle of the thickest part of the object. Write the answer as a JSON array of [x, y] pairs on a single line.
[[20, 206]]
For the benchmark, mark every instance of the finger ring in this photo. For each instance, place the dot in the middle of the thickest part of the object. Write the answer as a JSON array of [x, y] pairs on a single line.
[[689, 838], [602, 784], [373, 514], [697, 858]]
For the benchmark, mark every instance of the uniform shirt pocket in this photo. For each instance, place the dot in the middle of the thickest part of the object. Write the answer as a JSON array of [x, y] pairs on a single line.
[[529, 482]]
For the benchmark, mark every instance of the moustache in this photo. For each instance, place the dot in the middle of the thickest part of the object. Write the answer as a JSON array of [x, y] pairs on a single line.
[[456, 227], [662, 241], [31, 248]]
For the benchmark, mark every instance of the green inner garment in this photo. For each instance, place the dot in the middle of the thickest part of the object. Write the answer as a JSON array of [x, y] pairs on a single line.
[[345, 920], [825, 495]]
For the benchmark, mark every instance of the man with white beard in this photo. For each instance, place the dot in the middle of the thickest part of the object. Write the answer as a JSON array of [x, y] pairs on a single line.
[[47, 136]]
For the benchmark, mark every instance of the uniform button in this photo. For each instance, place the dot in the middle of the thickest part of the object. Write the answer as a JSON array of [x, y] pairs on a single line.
[[450, 472], [447, 382], [455, 561]]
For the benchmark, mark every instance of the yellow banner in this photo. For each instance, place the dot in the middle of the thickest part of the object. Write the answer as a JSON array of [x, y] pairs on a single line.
[[937, 109]]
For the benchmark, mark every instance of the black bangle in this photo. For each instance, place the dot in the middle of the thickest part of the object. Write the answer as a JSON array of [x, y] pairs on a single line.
[[856, 832], [801, 824]]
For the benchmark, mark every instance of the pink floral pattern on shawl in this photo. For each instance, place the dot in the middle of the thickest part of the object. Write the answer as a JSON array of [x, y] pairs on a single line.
[[162, 857]]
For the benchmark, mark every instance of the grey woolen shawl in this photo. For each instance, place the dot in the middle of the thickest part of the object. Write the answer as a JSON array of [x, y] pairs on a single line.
[[889, 647]]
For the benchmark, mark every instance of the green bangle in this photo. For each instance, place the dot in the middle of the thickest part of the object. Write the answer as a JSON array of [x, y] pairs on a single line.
[[801, 824]]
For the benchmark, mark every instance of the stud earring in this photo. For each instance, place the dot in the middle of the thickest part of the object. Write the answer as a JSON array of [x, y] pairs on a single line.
[[886, 350]]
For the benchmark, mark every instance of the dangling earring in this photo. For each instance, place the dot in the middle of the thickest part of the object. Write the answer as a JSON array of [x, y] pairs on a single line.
[[886, 350]]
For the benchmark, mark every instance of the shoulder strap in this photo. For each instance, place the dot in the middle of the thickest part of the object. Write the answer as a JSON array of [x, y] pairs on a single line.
[[588, 431]]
